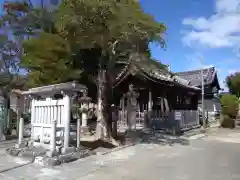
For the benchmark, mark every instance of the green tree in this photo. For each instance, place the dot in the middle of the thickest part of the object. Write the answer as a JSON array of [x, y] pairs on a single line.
[[9, 67], [11, 52], [98, 37], [22, 18], [233, 83], [113, 27], [29, 24], [48, 60]]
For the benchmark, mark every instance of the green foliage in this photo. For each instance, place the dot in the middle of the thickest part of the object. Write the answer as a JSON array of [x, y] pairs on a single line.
[[97, 32], [233, 83], [10, 48], [229, 104], [9, 65], [23, 18], [47, 58], [100, 23]]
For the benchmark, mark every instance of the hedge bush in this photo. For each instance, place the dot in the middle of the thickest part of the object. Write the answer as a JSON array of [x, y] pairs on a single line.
[[229, 104]]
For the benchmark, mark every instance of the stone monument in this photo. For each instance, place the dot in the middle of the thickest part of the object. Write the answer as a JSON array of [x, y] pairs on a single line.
[[131, 96]]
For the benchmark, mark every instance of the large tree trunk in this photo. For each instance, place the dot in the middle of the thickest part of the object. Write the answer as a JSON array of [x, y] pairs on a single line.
[[104, 119]]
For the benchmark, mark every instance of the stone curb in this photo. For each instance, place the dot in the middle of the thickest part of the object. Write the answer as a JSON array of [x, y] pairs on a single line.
[[117, 148], [197, 136], [15, 167], [202, 133]]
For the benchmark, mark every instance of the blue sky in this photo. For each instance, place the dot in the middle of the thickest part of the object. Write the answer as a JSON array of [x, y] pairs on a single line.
[[198, 29]]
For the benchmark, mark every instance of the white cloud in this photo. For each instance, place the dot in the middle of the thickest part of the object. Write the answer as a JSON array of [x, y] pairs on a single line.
[[227, 5], [196, 61], [232, 71], [222, 29], [223, 85]]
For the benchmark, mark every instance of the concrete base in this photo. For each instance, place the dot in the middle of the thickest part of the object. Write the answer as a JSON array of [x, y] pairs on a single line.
[[21, 145], [44, 157], [70, 157], [68, 150], [60, 159], [47, 161], [13, 151], [147, 130], [51, 153], [85, 130]]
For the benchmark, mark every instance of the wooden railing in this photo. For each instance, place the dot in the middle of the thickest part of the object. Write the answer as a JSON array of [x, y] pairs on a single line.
[[161, 120]]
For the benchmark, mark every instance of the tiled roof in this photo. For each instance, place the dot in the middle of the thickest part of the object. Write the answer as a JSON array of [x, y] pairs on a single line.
[[194, 77], [155, 70]]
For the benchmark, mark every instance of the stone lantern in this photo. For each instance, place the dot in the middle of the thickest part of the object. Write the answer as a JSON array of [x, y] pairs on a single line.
[[85, 101], [131, 96]]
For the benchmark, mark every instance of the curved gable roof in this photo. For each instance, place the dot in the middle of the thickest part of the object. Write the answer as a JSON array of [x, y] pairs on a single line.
[[194, 76]]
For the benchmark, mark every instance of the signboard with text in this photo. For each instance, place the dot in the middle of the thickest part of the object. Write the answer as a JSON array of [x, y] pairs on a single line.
[[178, 115]]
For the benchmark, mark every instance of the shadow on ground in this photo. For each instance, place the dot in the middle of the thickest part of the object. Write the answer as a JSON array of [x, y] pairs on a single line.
[[137, 137], [97, 144], [162, 139]]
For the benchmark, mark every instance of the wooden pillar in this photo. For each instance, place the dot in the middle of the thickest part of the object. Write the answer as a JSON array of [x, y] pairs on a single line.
[[150, 100], [166, 103], [147, 118], [162, 105], [123, 109]]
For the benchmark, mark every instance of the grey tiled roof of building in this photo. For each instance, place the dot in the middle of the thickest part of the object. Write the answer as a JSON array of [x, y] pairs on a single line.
[[154, 69], [195, 76]]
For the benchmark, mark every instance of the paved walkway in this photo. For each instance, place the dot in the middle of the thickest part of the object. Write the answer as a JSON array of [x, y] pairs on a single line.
[[160, 159], [8, 162], [224, 135]]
